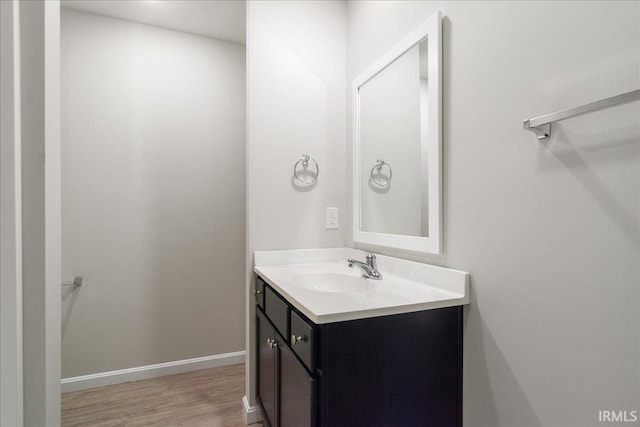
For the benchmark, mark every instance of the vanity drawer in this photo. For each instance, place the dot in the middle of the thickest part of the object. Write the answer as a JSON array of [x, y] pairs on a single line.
[[302, 340], [277, 310], [259, 292]]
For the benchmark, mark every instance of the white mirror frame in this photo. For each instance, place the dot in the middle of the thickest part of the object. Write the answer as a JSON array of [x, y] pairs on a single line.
[[432, 30]]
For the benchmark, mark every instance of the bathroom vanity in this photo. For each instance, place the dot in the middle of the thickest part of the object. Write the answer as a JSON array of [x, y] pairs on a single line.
[[335, 349]]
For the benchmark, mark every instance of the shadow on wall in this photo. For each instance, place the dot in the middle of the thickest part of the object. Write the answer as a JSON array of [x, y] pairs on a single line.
[[69, 296], [580, 153], [496, 379]]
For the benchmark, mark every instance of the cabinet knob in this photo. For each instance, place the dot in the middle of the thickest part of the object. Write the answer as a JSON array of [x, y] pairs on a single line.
[[295, 339], [257, 292], [272, 343]]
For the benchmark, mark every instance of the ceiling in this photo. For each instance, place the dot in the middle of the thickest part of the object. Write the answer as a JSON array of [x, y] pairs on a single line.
[[220, 19]]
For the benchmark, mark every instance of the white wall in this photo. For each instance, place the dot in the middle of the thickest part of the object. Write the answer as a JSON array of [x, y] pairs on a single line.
[[549, 232], [153, 194], [296, 105]]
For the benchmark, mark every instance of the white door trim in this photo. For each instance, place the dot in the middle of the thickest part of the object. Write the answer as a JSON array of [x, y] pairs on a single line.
[[40, 195], [11, 399]]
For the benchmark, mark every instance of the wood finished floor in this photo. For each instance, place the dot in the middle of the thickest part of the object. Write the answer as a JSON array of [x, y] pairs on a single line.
[[209, 397]]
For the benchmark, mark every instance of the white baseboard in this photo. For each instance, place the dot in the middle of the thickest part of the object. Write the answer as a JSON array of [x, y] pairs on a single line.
[[150, 371], [251, 413]]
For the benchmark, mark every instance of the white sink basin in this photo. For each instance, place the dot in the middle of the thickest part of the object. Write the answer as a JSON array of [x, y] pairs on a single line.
[[333, 282], [321, 285]]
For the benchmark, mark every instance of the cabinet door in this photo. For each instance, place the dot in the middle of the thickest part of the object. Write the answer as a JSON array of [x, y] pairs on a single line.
[[267, 369], [297, 392]]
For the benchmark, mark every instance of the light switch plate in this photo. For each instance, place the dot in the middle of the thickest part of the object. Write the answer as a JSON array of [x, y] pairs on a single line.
[[332, 218]]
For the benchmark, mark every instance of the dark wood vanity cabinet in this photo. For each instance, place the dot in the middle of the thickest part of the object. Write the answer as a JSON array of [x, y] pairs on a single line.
[[297, 392], [285, 389], [398, 370], [267, 367]]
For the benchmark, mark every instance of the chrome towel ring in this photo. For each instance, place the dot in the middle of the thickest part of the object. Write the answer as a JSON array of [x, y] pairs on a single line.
[[378, 168], [305, 167]]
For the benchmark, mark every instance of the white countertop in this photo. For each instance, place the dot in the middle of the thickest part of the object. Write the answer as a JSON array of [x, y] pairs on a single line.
[[319, 283]]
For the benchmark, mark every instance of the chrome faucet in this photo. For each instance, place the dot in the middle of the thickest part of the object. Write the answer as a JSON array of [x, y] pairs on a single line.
[[369, 269]]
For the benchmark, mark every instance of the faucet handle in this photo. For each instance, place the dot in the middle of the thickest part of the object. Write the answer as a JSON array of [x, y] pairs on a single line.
[[371, 260]]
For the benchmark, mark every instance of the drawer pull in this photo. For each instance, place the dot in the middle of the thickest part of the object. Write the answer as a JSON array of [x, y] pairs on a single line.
[[295, 339], [257, 292]]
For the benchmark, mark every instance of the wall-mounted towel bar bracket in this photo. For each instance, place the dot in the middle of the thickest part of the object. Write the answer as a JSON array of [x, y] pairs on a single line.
[[541, 131], [541, 126], [77, 281]]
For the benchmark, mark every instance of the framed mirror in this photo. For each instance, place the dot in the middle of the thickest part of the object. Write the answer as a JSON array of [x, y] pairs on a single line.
[[397, 145]]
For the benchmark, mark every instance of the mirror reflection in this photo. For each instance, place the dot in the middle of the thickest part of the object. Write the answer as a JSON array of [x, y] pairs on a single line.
[[393, 147]]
